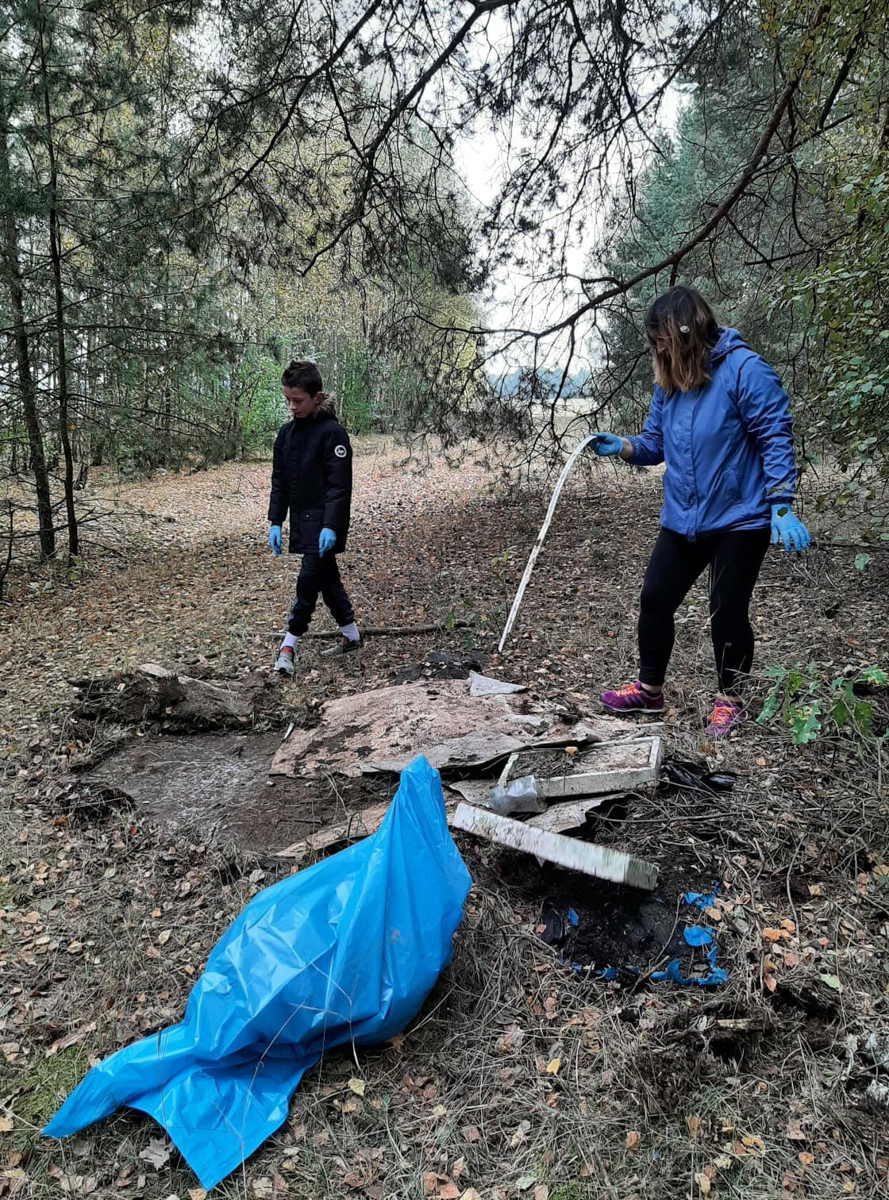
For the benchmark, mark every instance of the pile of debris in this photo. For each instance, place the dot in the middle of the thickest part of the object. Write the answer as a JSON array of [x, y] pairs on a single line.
[[560, 765]]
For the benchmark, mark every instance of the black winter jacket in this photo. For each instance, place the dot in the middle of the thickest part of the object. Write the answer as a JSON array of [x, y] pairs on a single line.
[[312, 478]]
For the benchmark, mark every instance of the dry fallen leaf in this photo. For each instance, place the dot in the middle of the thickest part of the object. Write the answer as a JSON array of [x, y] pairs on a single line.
[[794, 1131], [157, 1152], [552, 1067], [773, 935], [806, 1158], [164, 937], [703, 1183], [358, 1086], [541, 1192], [449, 1191], [633, 1139], [470, 1133], [694, 1124], [6, 1125]]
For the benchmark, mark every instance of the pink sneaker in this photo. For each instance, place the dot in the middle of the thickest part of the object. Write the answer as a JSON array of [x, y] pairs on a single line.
[[724, 718], [632, 697]]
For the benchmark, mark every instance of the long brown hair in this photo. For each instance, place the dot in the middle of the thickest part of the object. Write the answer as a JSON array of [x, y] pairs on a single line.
[[681, 332]]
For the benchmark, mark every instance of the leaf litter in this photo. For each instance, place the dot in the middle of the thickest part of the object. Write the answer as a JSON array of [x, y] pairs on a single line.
[[800, 841]]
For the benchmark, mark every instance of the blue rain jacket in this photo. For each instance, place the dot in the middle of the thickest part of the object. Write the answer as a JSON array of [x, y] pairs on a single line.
[[344, 952], [727, 446]]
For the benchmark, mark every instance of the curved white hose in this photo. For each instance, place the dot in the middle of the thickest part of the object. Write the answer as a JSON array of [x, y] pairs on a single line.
[[537, 545]]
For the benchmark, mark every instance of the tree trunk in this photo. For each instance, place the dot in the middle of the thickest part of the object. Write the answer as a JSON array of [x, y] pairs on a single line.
[[13, 273], [55, 254]]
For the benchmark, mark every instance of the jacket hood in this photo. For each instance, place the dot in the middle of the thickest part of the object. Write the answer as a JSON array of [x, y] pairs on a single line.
[[728, 340]]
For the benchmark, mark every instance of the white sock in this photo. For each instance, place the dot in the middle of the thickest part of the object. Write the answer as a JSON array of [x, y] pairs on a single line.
[[350, 632], [291, 641]]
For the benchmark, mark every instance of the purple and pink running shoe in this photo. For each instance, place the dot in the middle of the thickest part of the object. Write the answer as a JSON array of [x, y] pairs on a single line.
[[632, 697], [724, 718]]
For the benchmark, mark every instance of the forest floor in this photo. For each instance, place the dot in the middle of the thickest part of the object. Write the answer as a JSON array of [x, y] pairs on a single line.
[[521, 1077]]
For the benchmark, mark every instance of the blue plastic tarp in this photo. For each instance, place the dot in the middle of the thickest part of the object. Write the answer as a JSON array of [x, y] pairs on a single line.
[[344, 951]]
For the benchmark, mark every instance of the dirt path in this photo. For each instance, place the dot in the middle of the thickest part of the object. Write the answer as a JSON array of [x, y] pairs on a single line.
[[523, 1078]]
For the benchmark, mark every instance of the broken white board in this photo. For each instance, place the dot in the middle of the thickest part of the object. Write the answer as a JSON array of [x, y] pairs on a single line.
[[384, 730], [484, 685], [607, 767], [570, 814], [602, 769], [598, 861]]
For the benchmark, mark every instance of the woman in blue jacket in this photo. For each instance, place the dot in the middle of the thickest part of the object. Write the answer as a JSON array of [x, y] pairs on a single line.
[[720, 422]]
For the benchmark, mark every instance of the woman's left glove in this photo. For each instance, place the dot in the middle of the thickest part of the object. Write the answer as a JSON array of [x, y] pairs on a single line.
[[788, 529], [326, 541], [275, 539]]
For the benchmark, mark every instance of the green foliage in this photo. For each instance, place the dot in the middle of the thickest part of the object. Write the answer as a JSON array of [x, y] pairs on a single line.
[[260, 408], [355, 388], [805, 700]]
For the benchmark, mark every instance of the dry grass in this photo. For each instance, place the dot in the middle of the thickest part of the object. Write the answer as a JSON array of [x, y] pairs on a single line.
[[652, 1096]]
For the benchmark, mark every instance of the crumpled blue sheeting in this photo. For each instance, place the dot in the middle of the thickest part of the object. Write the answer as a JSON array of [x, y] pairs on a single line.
[[344, 951]]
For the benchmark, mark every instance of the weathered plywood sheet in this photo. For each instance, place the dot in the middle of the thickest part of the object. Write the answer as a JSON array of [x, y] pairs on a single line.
[[384, 730]]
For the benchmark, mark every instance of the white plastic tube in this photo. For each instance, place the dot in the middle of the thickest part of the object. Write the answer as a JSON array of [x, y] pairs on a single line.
[[532, 558]]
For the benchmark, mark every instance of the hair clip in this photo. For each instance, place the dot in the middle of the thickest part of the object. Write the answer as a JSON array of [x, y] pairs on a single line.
[[684, 329]]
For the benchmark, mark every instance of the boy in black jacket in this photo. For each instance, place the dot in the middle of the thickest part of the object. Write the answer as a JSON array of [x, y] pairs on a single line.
[[312, 478]]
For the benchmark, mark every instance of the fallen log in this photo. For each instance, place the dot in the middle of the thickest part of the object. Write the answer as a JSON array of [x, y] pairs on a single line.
[[395, 630]]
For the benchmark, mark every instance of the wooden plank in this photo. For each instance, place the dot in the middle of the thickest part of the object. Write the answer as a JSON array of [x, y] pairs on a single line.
[[356, 826], [589, 859]]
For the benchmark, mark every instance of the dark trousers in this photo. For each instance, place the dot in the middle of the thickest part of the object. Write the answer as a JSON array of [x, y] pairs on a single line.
[[319, 576], [734, 558]]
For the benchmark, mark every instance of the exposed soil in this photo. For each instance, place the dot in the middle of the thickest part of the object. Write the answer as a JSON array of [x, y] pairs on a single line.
[[218, 786]]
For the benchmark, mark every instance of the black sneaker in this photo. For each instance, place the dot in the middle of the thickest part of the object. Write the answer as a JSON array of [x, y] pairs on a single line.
[[345, 646]]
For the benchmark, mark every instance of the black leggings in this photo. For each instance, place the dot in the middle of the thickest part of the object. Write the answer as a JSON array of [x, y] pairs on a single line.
[[319, 575], [734, 558]]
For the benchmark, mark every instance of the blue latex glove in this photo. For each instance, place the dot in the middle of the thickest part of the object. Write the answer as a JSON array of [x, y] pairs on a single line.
[[788, 529], [275, 540], [326, 541], [604, 445]]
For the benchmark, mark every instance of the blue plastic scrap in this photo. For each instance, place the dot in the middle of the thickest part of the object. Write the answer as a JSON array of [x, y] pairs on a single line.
[[344, 951], [701, 899], [697, 935], [573, 918], [717, 975]]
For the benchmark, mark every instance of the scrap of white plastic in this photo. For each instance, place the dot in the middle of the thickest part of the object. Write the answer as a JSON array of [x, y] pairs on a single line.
[[484, 685], [537, 545]]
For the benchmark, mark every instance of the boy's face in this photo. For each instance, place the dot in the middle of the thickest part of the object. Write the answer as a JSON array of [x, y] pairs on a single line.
[[300, 403]]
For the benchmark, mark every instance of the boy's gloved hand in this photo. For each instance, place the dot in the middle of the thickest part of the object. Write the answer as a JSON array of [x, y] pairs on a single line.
[[604, 445], [789, 529], [275, 540], [326, 541]]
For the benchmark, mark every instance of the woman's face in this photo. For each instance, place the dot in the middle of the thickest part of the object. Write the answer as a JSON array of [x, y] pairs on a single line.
[[300, 403]]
